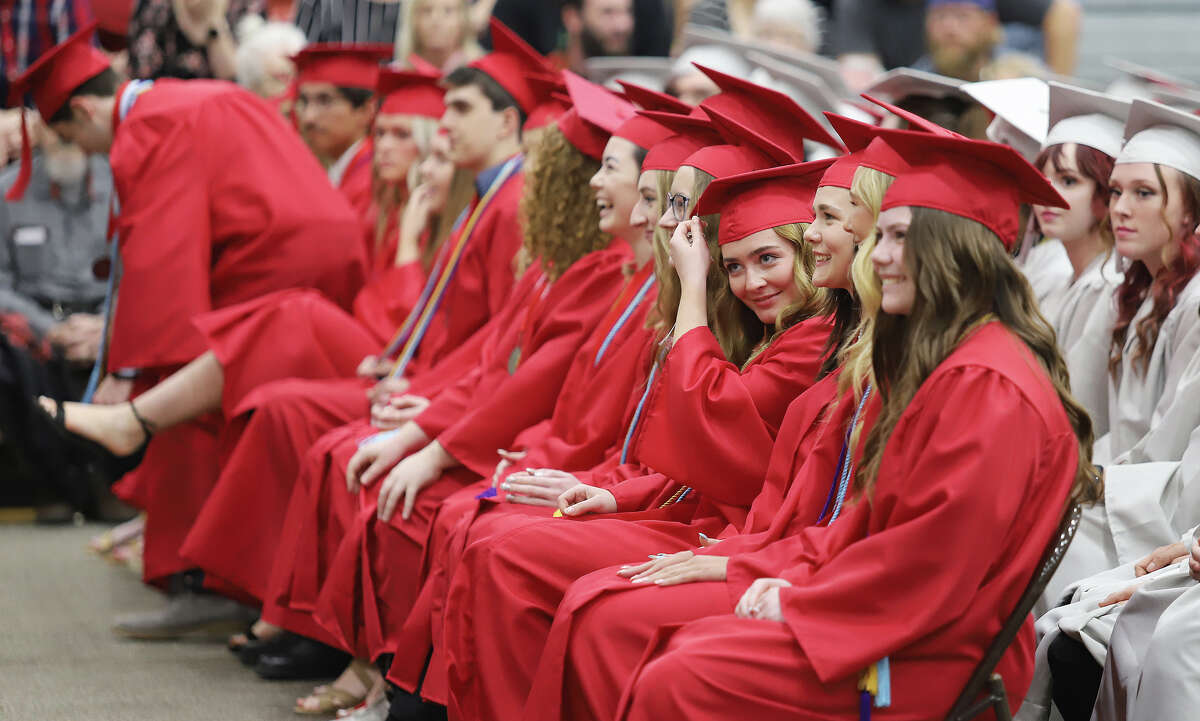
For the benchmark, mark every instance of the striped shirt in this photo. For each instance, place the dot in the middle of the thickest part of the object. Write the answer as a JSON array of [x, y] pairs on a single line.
[[348, 21], [28, 28]]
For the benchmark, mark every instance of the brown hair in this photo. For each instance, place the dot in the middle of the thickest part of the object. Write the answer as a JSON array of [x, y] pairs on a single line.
[[666, 305], [964, 278], [1163, 288]]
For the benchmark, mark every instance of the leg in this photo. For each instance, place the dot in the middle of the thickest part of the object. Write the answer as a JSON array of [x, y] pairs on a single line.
[[1170, 679], [1076, 678]]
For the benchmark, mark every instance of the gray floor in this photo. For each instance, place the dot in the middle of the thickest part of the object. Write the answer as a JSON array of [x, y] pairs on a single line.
[[58, 660]]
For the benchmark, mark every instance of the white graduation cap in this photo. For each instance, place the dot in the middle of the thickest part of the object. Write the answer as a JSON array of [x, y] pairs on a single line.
[[1156, 133], [650, 72], [899, 83], [1022, 109], [1184, 98], [1149, 75], [824, 68], [1087, 118], [718, 57]]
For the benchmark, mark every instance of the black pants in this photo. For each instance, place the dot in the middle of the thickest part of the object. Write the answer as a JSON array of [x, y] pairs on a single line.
[[1076, 678]]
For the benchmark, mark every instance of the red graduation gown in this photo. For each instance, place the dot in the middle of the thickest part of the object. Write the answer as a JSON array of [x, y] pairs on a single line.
[[356, 185], [472, 418], [480, 285], [987, 412], [220, 203], [711, 405]]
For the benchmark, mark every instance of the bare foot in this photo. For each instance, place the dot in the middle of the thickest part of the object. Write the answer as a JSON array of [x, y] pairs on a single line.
[[113, 427], [358, 681]]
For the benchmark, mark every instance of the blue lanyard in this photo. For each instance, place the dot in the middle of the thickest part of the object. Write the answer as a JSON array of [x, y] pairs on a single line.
[[624, 317]]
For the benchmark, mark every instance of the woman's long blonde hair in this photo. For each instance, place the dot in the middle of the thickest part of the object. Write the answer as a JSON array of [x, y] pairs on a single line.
[[558, 207], [406, 34], [964, 278], [390, 198]]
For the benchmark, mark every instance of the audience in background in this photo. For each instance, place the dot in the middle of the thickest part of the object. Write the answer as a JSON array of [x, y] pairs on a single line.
[[349, 21], [440, 32], [263, 63], [186, 38]]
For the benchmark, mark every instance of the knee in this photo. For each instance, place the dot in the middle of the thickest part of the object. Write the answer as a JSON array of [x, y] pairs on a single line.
[[658, 691]]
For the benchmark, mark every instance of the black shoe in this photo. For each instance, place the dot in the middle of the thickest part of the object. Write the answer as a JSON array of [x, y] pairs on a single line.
[[280, 645], [305, 659], [85, 450], [406, 706]]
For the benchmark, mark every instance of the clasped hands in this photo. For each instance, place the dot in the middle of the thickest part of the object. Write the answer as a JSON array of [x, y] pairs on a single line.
[[1159, 558]]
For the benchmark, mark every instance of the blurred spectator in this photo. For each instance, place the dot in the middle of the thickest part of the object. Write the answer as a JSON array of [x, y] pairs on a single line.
[[440, 32], [960, 37], [868, 36], [794, 24], [732, 16], [264, 56], [692, 86], [186, 38], [27, 29], [349, 21], [591, 28]]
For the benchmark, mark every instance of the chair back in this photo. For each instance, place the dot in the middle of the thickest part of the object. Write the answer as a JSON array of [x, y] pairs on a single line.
[[968, 705]]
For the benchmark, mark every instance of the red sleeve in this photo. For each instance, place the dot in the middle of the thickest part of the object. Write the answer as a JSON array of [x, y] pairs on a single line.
[[388, 297], [165, 243], [640, 492], [515, 399], [954, 484]]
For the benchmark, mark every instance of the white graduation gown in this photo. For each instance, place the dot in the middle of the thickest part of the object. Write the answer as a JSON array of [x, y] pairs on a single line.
[[1047, 268]]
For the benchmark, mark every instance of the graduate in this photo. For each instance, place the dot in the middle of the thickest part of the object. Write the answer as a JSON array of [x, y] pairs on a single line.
[[334, 109], [792, 638], [229, 243], [576, 266]]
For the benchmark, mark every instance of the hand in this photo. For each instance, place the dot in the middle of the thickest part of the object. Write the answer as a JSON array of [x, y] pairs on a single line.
[[413, 222], [677, 568], [112, 391], [374, 368], [1159, 558], [1194, 561], [196, 17], [538, 486], [397, 410], [761, 600], [1118, 597], [689, 253], [10, 135], [507, 458], [81, 336], [386, 388], [705, 541], [378, 455], [407, 479], [581, 499]]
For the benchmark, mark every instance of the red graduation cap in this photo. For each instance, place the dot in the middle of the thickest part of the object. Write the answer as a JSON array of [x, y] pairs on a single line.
[[51, 80], [511, 64], [648, 99], [762, 199], [768, 112], [112, 20], [345, 65], [643, 132], [594, 116], [410, 92], [690, 133], [858, 136], [553, 100], [976, 179]]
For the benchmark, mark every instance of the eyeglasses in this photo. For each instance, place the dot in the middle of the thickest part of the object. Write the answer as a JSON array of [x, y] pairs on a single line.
[[678, 203]]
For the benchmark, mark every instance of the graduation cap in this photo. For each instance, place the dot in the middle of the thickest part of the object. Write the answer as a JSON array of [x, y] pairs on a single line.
[[689, 133], [594, 116], [824, 68], [553, 100], [643, 132], [1022, 110], [808, 89], [1156, 133], [50, 81], [1087, 118], [976, 179], [767, 111], [511, 64], [899, 83], [112, 23], [647, 99], [762, 199], [410, 92], [606, 70], [1149, 75], [346, 65]]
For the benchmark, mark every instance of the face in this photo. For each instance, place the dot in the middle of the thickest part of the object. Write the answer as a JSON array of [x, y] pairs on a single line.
[[278, 72], [66, 163], [761, 270], [694, 88], [436, 171], [328, 122], [1136, 209], [833, 237], [610, 24], [395, 148], [615, 184], [438, 24], [957, 33], [899, 288], [1076, 222], [681, 195], [472, 126], [89, 129], [644, 217]]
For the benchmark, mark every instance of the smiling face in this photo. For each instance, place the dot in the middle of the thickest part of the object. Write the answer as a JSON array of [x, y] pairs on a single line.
[[838, 226], [644, 217], [761, 270], [1077, 222], [1136, 207], [395, 148], [898, 287], [681, 190], [616, 186]]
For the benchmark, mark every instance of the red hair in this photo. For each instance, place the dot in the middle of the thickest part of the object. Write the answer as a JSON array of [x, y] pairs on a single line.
[[1163, 288]]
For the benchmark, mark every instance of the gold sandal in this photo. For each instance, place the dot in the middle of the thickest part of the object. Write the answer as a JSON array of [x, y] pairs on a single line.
[[331, 699]]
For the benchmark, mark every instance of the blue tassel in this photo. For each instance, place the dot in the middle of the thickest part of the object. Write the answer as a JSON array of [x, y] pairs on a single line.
[[489, 493], [883, 697], [864, 706]]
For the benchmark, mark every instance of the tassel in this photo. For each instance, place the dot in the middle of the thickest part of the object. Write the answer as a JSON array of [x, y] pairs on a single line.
[[489, 493], [864, 706], [17, 191], [883, 697]]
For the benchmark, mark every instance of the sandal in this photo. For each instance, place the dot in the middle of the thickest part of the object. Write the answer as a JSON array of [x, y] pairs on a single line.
[[118, 536], [87, 450], [331, 699]]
